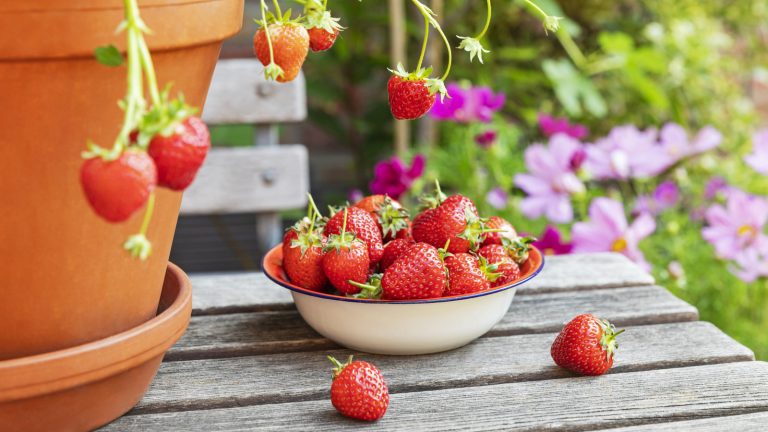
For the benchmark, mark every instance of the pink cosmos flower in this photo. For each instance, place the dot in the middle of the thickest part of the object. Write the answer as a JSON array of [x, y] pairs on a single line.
[[758, 159], [551, 126], [392, 177], [665, 196], [714, 187], [497, 198], [467, 104], [736, 229], [626, 152], [608, 230], [551, 180], [355, 195], [674, 139], [551, 242]]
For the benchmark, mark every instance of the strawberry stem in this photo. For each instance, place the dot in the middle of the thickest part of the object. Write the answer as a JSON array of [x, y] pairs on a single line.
[[266, 31], [277, 9], [424, 43], [148, 214], [487, 21], [429, 16]]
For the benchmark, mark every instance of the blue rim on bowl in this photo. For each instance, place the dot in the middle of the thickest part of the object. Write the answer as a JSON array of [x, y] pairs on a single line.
[[272, 265]]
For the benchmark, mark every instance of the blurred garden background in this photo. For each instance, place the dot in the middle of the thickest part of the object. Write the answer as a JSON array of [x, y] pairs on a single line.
[[635, 128]]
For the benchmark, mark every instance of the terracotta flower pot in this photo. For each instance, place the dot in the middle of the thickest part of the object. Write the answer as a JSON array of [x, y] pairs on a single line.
[[64, 278]]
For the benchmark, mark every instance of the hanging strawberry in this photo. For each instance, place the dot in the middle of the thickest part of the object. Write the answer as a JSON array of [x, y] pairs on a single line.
[[280, 44]]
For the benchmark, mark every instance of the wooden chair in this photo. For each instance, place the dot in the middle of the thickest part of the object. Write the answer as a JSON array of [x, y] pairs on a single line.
[[266, 178]]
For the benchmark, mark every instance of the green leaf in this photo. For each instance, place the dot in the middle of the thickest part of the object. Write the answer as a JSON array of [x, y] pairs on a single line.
[[573, 89], [108, 55], [616, 42]]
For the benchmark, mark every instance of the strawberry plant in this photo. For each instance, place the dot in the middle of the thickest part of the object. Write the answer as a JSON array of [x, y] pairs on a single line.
[[160, 142]]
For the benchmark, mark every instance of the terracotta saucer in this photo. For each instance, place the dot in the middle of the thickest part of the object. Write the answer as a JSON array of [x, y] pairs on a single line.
[[87, 386]]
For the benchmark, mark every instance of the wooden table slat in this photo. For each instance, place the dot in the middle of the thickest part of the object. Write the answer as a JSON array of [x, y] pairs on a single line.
[[199, 384], [243, 292], [271, 332], [561, 404], [756, 422]]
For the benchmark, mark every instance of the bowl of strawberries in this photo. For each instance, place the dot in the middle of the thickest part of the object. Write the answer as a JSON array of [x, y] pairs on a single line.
[[372, 280]]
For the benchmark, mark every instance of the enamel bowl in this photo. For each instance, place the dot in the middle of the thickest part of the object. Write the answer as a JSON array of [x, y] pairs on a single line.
[[402, 327]]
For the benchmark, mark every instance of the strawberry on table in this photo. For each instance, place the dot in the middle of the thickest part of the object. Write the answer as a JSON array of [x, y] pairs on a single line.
[[586, 345], [359, 390], [117, 188], [498, 223], [363, 225], [453, 219], [290, 45], [346, 259], [468, 274], [388, 213], [419, 273], [498, 256]]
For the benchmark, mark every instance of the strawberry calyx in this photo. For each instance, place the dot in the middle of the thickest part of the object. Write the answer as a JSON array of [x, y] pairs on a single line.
[[489, 270], [474, 230], [370, 290], [608, 340], [163, 119], [391, 218], [338, 366], [316, 16], [307, 240], [434, 85], [518, 248], [430, 201]]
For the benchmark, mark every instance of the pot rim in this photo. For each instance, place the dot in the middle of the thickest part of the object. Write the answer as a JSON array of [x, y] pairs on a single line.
[[271, 265], [55, 371]]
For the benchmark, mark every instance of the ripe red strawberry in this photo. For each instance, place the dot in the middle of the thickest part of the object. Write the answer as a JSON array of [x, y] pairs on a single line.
[[179, 155], [346, 259], [409, 98], [454, 218], [363, 225], [498, 223], [290, 45], [586, 345], [303, 261], [359, 390], [321, 39], [392, 252], [418, 273], [504, 265], [116, 189], [468, 274], [388, 213]]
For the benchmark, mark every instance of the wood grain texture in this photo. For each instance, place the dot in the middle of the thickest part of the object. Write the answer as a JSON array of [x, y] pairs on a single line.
[[240, 94], [259, 179], [203, 384], [572, 404], [240, 292], [757, 422], [271, 332]]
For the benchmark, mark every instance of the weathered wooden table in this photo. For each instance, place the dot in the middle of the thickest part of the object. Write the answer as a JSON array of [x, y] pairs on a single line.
[[248, 362]]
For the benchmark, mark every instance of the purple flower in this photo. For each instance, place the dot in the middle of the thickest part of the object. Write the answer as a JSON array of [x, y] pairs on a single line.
[[486, 139], [551, 242], [550, 126], [608, 230], [355, 195], [497, 198], [676, 270], [736, 229], [467, 104], [752, 263], [758, 159], [391, 177], [578, 159], [551, 181], [665, 196], [626, 152], [714, 187], [674, 139]]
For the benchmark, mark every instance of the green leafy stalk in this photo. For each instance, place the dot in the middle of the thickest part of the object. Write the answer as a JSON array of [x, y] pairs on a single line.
[[552, 23], [272, 71]]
